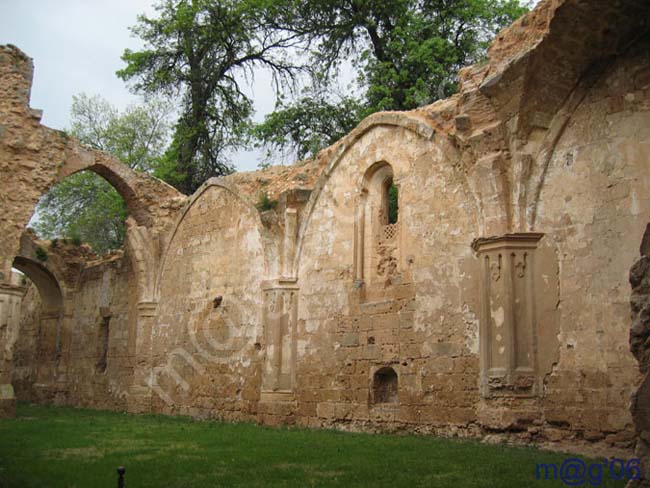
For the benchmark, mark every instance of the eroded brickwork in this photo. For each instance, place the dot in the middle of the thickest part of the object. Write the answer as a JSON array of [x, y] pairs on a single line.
[[495, 305]]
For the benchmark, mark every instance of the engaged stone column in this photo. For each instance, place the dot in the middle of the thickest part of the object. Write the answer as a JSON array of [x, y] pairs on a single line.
[[508, 352], [280, 321], [140, 392], [10, 299], [289, 247]]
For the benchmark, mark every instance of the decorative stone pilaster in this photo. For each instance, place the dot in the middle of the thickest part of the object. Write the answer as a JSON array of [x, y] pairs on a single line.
[[280, 322], [508, 322], [139, 399], [10, 299]]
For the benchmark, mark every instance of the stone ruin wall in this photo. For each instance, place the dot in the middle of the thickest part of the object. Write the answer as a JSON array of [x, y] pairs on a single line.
[[497, 305], [594, 206], [83, 356], [640, 332]]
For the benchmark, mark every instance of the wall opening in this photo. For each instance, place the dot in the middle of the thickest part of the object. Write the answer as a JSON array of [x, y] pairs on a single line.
[[392, 202], [377, 232], [46, 283], [83, 207], [102, 345], [385, 386], [40, 329]]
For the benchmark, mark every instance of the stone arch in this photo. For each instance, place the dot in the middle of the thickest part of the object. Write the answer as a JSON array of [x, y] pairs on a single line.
[[210, 278], [405, 120], [61, 271], [539, 88], [377, 179], [49, 328], [150, 202], [376, 239], [267, 238], [147, 199], [40, 157], [592, 76], [121, 177], [45, 281], [532, 182], [371, 173]]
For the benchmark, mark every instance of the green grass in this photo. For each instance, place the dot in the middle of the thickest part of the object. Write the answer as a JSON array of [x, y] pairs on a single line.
[[67, 447]]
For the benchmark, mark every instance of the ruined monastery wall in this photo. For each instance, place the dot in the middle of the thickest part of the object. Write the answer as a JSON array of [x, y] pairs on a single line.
[[84, 357], [495, 305], [216, 251], [101, 343], [419, 318], [595, 206]]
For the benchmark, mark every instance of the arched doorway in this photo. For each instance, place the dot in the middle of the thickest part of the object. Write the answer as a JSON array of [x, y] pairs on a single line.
[[36, 333]]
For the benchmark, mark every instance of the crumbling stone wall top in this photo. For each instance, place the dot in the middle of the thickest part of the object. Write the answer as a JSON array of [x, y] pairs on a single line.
[[34, 157]]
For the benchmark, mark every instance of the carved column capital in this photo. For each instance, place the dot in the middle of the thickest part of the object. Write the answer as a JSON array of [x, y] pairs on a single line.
[[12, 290], [147, 309], [519, 240]]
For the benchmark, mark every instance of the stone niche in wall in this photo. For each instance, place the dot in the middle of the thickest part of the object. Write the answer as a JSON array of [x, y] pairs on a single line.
[[518, 296]]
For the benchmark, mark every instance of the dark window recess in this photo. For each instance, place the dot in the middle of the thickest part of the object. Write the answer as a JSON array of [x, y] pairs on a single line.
[[392, 203], [384, 386]]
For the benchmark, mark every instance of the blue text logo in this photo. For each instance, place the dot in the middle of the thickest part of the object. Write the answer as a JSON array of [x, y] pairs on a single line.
[[576, 472]]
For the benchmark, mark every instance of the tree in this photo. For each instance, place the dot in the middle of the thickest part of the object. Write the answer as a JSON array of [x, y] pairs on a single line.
[[407, 54], [202, 50], [307, 125], [84, 206], [137, 137]]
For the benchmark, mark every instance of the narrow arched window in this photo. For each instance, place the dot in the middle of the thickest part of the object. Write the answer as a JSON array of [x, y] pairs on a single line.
[[378, 235]]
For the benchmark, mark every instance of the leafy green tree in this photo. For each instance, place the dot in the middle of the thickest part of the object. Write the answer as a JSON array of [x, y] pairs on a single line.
[[137, 137], [84, 206], [406, 54], [203, 50], [300, 129]]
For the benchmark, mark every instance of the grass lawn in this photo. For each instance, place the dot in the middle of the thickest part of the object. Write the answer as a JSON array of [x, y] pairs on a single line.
[[66, 447]]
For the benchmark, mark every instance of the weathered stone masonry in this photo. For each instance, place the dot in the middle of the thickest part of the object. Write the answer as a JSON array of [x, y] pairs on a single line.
[[497, 303]]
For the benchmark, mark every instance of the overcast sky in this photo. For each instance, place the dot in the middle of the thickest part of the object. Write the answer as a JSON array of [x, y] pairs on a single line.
[[76, 46]]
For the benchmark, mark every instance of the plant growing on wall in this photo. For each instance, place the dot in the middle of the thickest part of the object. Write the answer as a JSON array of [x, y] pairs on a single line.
[[40, 253], [265, 203]]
